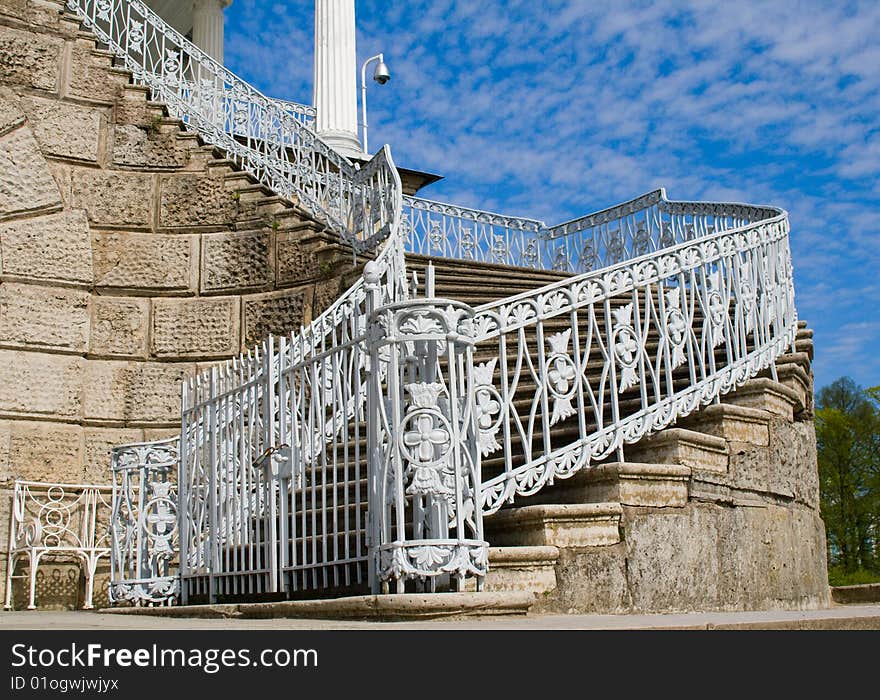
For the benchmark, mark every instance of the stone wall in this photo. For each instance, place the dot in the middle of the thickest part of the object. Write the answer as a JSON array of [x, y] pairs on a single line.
[[131, 255]]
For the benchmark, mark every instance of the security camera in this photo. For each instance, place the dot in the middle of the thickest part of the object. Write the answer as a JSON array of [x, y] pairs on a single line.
[[382, 75]]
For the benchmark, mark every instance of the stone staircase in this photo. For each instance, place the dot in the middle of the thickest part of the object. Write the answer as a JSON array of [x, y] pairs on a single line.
[[587, 544], [200, 261]]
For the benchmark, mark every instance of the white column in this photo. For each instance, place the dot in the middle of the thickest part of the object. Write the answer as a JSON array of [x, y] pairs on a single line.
[[336, 75], [208, 26]]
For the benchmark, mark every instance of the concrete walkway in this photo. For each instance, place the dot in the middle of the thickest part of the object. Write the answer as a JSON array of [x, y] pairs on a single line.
[[838, 617]]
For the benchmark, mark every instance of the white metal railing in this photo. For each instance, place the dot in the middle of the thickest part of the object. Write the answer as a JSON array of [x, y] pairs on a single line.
[[268, 138], [365, 448], [573, 371], [643, 225], [49, 520], [143, 523]]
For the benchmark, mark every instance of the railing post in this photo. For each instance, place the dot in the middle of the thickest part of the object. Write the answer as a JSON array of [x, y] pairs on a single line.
[[372, 279], [424, 467]]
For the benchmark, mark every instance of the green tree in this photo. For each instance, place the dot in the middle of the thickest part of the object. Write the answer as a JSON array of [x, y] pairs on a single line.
[[848, 437]]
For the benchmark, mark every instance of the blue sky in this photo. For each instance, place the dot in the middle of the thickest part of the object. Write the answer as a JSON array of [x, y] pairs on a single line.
[[557, 108]]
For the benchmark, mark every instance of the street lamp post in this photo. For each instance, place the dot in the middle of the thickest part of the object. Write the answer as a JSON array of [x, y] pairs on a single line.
[[381, 76]]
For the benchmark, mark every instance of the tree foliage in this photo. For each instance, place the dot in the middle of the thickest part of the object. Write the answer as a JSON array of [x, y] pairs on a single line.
[[848, 436]]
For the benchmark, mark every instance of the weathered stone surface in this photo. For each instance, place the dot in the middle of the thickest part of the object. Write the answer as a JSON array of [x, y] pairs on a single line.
[[64, 129], [771, 557], [195, 327], [97, 445], [41, 13], [10, 110], [114, 198], [195, 200], [120, 326], [25, 181], [52, 247], [37, 383], [145, 261], [276, 314], [147, 148], [236, 261], [140, 392], [787, 467], [672, 558], [46, 451], [709, 557], [592, 580], [44, 317], [29, 59], [7, 473], [296, 263]]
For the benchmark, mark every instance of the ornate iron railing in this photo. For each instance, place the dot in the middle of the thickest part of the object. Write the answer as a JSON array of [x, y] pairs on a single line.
[[367, 447], [268, 138], [144, 524], [577, 369], [630, 230], [49, 520]]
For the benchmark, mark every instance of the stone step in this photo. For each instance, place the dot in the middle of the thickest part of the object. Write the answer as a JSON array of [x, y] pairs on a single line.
[[799, 380], [556, 525], [520, 569], [739, 424], [767, 395], [620, 483], [687, 448]]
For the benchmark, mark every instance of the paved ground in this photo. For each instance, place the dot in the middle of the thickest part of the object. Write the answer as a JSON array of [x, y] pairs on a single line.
[[838, 617]]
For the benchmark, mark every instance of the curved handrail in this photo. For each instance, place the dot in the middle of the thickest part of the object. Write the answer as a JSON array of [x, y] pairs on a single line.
[[266, 137], [604, 350]]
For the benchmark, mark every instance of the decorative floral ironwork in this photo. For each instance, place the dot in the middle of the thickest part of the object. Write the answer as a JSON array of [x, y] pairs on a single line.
[[626, 345], [561, 375]]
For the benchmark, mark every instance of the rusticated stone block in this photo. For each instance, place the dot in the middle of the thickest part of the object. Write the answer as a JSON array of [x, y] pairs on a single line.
[[141, 392], [90, 78], [120, 326], [195, 327], [273, 314], [7, 474], [37, 383], [295, 262], [52, 247], [96, 456], [64, 129], [41, 13], [145, 261], [26, 184], [147, 148], [236, 261], [44, 317], [10, 111], [195, 200], [114, 198], [46, 452], [29, 59]]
